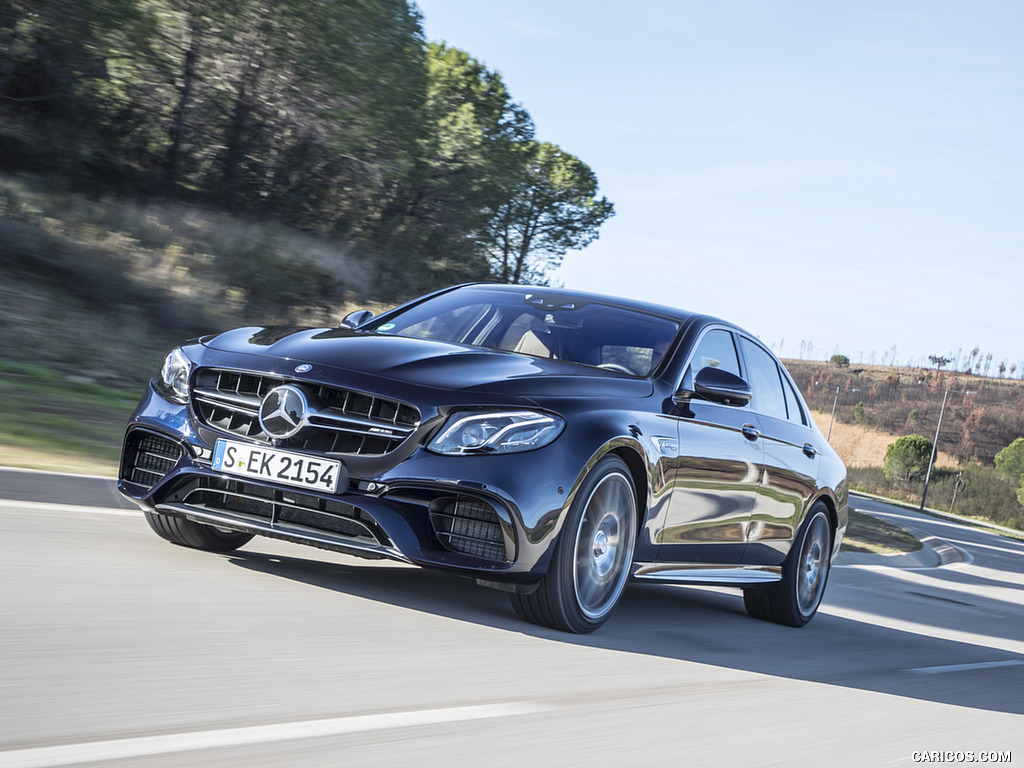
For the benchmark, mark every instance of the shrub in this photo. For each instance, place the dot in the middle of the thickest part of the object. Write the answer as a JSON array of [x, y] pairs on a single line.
[[985, 494], [1010, 460], [1010, 464], [907, 458]]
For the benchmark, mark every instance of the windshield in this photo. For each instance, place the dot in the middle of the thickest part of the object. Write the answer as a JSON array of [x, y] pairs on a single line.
[[555, 327]]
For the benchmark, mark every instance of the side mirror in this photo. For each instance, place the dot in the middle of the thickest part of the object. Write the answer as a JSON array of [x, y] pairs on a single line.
[[355, 319], [718, 386]]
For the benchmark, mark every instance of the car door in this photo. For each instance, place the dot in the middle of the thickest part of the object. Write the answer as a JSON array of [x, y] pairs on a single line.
[[715, 469], [791, 461]]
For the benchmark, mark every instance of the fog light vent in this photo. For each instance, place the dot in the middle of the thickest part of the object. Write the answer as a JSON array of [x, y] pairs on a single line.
[[469, 526], [148, 458]]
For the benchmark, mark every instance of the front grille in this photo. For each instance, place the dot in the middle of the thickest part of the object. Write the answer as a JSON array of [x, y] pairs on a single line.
[[148, 457], [277, 506], [469, 526], [345, 422]]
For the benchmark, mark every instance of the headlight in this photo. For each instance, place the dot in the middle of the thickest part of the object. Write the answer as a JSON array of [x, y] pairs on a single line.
[[172, 381], [504, 432]]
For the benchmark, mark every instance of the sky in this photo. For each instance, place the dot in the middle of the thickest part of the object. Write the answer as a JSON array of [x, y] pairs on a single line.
[[842, 177]]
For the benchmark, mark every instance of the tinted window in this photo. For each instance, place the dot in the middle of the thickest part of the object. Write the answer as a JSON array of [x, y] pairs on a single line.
[[554, 326], [715, 350], [764, 379], [796, 413], [452, 324]]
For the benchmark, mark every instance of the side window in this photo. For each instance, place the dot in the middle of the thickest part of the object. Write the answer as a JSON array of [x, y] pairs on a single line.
[[716, 350], [796, 413], [765, 380]]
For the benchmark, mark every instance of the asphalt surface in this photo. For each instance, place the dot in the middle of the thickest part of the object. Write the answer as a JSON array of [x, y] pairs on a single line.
[[119, 649]]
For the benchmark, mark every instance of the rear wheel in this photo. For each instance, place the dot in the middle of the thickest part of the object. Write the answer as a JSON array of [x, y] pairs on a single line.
[[794, 600], [592, 557], [196, 535]]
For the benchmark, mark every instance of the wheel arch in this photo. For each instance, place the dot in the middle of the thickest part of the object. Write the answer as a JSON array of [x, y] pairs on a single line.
[[633, 456], [637, 467], [830, 506], [832, 511]]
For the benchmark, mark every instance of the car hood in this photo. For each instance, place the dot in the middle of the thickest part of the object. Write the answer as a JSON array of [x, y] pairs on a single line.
[[429, 363]]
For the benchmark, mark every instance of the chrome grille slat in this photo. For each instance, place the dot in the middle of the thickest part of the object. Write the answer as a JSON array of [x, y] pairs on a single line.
[[348, 423], [243, 402]]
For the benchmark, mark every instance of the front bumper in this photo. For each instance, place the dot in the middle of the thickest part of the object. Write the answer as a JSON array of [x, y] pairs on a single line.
[[497, 526]]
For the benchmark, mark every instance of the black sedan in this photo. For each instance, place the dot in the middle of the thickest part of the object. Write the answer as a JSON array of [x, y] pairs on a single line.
[[547, 443]]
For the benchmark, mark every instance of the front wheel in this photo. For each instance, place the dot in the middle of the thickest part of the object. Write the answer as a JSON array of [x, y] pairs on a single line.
[[593, 555], [196, 535], [794, 600]]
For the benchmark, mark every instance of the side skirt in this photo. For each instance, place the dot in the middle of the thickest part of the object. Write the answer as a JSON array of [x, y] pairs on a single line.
[[710, 575]]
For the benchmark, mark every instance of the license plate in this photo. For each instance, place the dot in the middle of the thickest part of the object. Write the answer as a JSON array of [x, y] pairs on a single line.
[[262, 463]]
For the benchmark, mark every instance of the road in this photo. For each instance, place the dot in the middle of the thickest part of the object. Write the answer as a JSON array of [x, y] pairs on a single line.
[[119, 649]]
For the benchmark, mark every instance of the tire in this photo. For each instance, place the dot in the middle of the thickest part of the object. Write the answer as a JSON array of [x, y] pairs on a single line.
[[592, 558], [794, 600], [196, 535]]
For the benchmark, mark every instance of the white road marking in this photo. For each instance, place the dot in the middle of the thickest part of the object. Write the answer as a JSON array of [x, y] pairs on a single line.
[[40, 506], [120, 749], [963, 667], [925, 630], [1006, 591]]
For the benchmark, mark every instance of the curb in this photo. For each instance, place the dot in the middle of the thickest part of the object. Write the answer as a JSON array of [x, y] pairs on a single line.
[[934, 552]]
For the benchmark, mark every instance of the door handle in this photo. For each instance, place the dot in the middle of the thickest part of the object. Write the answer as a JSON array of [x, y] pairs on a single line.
[[810, 450], [750, 432]]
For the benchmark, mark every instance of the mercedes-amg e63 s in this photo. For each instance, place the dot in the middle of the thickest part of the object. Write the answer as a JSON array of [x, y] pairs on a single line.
[[547, 443]]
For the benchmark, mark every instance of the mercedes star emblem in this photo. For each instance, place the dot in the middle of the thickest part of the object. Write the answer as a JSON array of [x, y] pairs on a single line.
[[283, 411]]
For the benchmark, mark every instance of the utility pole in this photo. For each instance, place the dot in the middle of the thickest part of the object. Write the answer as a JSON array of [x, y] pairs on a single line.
[[935, 444], [935, 447], [835, 402]]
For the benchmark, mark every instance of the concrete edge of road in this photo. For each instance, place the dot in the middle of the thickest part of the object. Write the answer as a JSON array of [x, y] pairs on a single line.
[[934, 552]]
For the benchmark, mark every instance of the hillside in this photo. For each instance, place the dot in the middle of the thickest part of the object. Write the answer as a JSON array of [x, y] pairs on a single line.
[[982, 415], [860, 446], [102, 288]]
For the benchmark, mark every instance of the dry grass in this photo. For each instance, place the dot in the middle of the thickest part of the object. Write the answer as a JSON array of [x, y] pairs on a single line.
[[981, 417], [869, 534], [21, 457], [860, 446]]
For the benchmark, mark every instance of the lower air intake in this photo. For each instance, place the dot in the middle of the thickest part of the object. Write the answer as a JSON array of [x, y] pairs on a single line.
[[148, 458], [470, 527]]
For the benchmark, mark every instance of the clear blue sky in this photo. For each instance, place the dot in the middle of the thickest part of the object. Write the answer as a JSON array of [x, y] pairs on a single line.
[[847, 175]]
